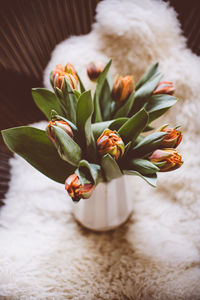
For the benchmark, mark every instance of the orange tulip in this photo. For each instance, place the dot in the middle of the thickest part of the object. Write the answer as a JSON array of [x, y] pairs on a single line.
[[169, 157], [60, 73], [165, 87], [123, 87], [77, 191], [62, 124], [110, 142], [69, 69], [173, 137], [94, 70]]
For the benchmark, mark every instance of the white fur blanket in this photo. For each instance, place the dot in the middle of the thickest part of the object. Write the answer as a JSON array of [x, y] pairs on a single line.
[[45, 254]]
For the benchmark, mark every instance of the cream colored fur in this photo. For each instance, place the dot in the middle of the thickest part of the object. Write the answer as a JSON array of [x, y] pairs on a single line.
[[44, 253]]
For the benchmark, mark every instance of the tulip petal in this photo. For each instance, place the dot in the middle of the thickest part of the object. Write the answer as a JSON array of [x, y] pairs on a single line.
[[55, 116]]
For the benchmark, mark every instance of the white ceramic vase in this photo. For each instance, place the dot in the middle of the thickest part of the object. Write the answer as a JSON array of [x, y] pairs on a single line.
[[109, 206]]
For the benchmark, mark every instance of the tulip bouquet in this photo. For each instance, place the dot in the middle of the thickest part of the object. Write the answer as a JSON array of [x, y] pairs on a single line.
[[97, 138]]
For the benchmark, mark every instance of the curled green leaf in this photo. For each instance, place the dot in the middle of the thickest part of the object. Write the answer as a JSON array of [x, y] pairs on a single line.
[[34, 146], [150, 179], [67, 148], [110, 167]]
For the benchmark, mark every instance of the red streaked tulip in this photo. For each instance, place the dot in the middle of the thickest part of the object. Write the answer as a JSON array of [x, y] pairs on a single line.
[[169, 157], [165, 87], [62, 124], [69, 69], [110, 142], [122, 88], [173, 137], [94, 70], [76, 190], [68, 72]]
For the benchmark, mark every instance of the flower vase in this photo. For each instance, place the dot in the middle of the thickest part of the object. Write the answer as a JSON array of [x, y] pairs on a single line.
[[109, 206]]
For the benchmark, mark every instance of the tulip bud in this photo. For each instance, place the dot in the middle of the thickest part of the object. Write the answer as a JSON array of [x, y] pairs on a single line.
[[70, 70], [76, 190], [62, 124], [165, 87], [169, 157], [173, 137], [110, 142], [59, 69], [59, 80], [55, 73], [123, 87], [60, 73], [94, 70]]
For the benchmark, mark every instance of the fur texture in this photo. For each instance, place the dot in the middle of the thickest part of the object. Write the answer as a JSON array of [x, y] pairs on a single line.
[[44, 253]]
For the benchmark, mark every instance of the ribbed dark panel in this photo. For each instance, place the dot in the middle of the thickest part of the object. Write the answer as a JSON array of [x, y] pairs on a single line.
[[189, 16], [29, 31]]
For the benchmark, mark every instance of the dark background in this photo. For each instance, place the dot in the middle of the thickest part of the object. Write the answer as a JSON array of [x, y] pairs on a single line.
[[29, 31]]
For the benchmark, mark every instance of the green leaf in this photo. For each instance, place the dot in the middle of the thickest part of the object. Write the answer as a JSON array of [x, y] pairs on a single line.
[[148, 128], [138, 140], [82, 88], [100, 83], [160, 164], [133, 126], [83, 115], [148, 87], [69, 102], [143, 166], [34, 146], [67, 148], [145, 87], [150, 179], [105, 101], [82, 176], [46, 101], [158, 105], [77, 94], [110, 167], [116, 124], [94, 171], [148, 144], [124, 110], [60, 97], [127, 147], [99, 127], [154, 69]]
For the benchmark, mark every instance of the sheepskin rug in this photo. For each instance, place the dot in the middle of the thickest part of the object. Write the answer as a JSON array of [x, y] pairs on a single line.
[[44, 253]]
